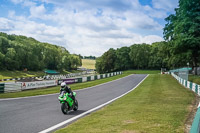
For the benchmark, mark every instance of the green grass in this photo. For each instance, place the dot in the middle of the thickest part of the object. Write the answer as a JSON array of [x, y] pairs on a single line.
[[18, 74], [194, 79], [159, 105], [89, 64], [145, 71]]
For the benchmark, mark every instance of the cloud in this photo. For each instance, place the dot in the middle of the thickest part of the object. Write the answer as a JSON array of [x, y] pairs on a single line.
[[152, 38], [88, 27], [5, 25], [167, 5], [37, 11]]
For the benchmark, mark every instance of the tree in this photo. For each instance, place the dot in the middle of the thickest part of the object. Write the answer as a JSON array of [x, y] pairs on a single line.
[[122, 59], [155, 60], [139, 55], [75, 61], [106, 63], [2, 61], [183, 29], [99, 65]]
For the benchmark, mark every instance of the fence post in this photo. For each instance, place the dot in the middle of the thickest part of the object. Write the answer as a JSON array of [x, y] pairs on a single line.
[[2, 86], [191, 85], [80, 80], [89, 78], [196, 88], [95, 77]]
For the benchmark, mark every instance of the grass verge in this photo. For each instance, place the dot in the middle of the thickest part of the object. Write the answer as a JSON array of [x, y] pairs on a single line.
[[145, 71], [18, 74], [194, 79], [76, 86], [159, 105]]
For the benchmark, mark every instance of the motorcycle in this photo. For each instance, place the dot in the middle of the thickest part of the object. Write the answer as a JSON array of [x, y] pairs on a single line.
[[67, 103]]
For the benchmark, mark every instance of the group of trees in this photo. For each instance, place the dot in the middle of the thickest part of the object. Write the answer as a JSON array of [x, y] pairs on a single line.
[[20, 52], [181, 45], [143, 56], [88, 57], [137, 56]]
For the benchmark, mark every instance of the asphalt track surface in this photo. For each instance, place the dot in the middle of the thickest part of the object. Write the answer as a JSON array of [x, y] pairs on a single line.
[[35, 114]]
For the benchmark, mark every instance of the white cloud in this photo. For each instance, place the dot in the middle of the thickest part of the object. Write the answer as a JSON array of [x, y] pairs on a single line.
[[37, 11], [167, 5], [88, 28], [5, 25], [152, 38], [11, 14]]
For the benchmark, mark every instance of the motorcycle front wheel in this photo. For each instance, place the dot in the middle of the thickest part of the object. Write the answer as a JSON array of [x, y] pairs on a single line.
[[64, 108]]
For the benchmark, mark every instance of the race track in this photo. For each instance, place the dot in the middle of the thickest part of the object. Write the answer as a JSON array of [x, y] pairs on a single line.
[[35, 114]]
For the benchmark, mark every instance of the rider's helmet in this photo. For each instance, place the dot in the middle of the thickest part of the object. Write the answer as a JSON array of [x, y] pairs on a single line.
[[63, 84]]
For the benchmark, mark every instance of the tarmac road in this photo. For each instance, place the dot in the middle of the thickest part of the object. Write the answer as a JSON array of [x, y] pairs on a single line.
[[35, 114]]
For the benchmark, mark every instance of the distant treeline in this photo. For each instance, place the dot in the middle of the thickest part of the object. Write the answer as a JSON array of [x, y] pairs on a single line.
[[142, 56], [88, 57], [20, 52], [182, 46]]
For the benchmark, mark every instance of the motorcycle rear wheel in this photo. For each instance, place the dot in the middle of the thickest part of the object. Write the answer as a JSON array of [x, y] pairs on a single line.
[[64, 108], [75, 105]]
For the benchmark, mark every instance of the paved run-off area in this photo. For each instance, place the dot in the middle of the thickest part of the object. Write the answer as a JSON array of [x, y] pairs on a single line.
[[35, 114]]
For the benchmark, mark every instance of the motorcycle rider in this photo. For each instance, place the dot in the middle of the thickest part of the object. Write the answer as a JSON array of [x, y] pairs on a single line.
[[66, 89]]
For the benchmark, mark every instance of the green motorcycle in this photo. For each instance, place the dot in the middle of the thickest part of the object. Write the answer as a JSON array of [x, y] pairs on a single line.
[[67, 103]]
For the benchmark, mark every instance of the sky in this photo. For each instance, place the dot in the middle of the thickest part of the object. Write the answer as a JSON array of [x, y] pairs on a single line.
[[87, 27]]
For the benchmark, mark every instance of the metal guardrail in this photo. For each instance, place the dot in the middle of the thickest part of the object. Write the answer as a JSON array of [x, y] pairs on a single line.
[[196, 122], [22, 85], [195, 88], [48, 77]]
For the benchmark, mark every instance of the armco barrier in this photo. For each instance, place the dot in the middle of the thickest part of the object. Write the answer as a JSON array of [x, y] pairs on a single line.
[[192, 86], [196, 122], [49, 77], [195, 88], [12, 87], [90, 78], [80, 80], [84, 79], [38, 84], [19, 86], [95, 77]]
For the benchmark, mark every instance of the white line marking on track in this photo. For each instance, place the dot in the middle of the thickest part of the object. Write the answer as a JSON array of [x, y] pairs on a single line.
[[58, 90], [89, 111]]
